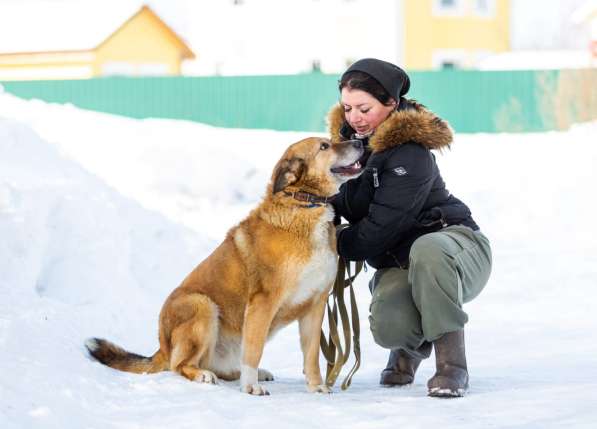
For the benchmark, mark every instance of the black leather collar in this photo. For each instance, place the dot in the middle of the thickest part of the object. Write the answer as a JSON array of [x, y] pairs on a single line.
[[315, 200]]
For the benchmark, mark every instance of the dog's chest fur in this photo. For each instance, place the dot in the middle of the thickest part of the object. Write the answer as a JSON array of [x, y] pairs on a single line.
[[319, 272]]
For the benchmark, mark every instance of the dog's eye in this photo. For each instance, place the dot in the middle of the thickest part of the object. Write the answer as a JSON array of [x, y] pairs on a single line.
[[324, 146]]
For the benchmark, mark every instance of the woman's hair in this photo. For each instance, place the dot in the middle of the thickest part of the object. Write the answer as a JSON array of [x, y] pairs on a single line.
[[360, 80]]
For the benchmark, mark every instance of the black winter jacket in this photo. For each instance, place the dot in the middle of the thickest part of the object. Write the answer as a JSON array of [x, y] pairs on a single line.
[[401, 195]]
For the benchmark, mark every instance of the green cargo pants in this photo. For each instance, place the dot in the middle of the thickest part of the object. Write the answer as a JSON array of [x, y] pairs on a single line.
[[411, 306]]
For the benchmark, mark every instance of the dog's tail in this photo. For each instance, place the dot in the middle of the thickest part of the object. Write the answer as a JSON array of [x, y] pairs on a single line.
[[115, 357]]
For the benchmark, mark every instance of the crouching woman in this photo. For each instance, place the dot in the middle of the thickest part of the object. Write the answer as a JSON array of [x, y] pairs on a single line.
[[430, 255]]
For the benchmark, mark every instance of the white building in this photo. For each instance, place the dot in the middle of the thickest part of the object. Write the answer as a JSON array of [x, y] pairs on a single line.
[[238, 37]]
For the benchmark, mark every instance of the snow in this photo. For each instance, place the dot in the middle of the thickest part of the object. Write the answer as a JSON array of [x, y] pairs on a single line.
[[102, 216]]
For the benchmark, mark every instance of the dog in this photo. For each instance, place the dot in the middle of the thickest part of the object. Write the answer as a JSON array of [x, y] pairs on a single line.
[[276, 266]]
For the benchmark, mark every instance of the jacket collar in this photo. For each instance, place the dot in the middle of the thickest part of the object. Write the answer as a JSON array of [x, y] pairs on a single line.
[[416, 124]]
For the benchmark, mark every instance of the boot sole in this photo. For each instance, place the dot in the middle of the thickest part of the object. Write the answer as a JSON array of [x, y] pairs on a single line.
[[395, 379], [438, 392]]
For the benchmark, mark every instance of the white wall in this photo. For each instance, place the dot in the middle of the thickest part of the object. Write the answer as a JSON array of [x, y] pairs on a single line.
[[287, 36], [546, 24]]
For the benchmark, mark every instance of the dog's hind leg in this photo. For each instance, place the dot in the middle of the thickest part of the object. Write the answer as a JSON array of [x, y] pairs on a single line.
[[193, 341], [226, 360]]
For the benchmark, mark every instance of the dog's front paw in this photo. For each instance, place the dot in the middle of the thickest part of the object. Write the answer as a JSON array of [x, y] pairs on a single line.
[[319, 388], [254, 389]]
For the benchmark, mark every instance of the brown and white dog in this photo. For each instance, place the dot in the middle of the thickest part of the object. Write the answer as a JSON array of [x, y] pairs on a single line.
[[278, 265]]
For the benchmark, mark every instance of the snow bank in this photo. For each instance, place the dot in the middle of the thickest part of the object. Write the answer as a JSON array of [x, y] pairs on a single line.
[[101, 216], [179, 168]]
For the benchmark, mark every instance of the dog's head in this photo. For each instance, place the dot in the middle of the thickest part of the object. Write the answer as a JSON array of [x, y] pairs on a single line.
[[316, 165]]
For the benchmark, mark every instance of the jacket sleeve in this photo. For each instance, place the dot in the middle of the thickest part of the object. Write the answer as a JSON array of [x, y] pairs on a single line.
[[404, 185], [341, 201]]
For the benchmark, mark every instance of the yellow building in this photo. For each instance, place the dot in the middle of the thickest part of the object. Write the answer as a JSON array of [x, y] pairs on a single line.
[[89, 44], [453, 33]]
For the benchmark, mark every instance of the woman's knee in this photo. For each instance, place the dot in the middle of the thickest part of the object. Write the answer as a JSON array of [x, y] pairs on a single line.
[[394, 320], [382, 324], [392, 333]]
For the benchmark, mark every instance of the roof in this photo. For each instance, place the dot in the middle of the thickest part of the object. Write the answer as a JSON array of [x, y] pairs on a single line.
[[66, 26]]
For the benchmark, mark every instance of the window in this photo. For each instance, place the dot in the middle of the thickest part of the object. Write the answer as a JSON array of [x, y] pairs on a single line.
[[481, 5], [484, 8], [448, 7], [448, 65], [118, 68], [316, 66], [449, 59], [152, 69]]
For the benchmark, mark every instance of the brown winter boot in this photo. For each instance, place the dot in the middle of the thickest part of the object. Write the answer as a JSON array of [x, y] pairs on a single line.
[[402, 366], [451, 375]]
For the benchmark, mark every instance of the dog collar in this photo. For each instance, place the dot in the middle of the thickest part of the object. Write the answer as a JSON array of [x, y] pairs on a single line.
[[315, 200]]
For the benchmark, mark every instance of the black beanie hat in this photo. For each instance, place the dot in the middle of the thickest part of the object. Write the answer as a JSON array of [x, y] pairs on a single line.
[[390, 76]]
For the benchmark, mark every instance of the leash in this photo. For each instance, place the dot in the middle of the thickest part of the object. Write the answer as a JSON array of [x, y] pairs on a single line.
[[335, 354]]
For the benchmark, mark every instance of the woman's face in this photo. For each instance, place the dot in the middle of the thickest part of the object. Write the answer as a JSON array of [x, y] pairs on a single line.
[[363, 111]]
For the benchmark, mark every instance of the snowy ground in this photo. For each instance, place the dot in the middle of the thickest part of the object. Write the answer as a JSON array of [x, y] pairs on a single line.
[[101, 216]]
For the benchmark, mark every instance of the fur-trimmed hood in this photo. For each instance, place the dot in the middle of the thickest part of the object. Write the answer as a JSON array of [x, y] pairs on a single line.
[[411, 125]]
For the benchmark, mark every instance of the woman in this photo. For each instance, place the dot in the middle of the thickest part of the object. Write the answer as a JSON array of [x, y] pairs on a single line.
[[429, 253]]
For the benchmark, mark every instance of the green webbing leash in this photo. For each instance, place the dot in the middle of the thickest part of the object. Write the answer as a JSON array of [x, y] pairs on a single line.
[[332, 349]]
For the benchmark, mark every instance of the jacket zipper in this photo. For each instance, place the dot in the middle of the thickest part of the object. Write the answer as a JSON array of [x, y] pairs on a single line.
[[375, 178]]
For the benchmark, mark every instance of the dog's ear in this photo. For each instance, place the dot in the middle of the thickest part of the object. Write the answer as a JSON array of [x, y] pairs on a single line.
[[289, 171]]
